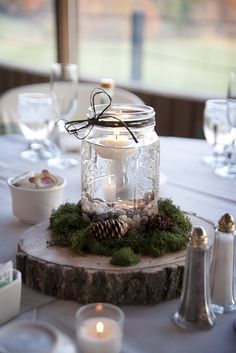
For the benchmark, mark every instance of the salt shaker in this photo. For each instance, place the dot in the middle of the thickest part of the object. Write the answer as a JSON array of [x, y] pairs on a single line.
[[195, 309], [107, 84], [223, 266]]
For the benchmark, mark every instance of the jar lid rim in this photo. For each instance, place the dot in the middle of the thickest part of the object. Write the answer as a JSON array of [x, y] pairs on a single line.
[[133, 115], [125, 108]]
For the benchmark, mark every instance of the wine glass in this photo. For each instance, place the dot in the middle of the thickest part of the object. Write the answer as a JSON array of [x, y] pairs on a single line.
[[229, 170], [217, 130], [64, 90], [36, 121], [64, 87]]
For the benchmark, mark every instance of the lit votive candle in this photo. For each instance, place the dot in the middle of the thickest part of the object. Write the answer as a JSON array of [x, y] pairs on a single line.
[[99, 328], [115, 147]]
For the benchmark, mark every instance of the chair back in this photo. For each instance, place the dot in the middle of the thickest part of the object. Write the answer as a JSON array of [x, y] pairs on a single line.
[[8, 102]]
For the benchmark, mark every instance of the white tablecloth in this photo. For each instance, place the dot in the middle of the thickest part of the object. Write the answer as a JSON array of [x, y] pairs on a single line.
[[148, 328]]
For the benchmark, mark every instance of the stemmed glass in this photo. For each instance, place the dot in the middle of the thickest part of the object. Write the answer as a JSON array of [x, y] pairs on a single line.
[[64, 86], [217, 130], [36, 121], [64, 90], [229, 171]]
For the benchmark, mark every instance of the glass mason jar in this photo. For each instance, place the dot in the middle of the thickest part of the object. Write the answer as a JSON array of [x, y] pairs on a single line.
[[120, 165]]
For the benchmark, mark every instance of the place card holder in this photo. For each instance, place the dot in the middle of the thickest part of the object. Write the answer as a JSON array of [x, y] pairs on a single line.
[[10, 298]]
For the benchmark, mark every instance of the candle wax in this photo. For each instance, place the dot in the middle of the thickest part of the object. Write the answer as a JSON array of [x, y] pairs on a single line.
[[115, 141], [110, 189], [109, 341], [115, 147]]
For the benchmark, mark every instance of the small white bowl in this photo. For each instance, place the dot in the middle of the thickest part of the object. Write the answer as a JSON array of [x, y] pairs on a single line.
[[33, 206]]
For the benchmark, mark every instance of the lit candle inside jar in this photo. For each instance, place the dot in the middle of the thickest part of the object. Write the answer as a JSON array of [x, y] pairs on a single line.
[[110, 188], [115, 146], [103, 336]]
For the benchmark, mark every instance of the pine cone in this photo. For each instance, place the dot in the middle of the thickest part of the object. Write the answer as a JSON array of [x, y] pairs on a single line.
[[162, 222], [111, 228]]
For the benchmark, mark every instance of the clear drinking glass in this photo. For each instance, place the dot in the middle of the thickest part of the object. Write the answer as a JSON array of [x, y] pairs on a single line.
[[64, 89], [217, 130], [36, 121], [229, 171]]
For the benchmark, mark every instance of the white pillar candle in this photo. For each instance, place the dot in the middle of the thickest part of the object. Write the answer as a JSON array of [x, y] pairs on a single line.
[[110, 188], [100, 335], [115, 147]]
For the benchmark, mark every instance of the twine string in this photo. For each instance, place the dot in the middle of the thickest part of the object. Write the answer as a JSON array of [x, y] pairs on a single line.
[[75, 127]]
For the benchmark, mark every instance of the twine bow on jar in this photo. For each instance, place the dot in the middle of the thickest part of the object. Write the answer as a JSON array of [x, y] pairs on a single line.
[[78, 128]]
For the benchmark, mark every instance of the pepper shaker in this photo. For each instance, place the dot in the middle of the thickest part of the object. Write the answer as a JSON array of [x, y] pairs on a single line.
[[223, 266], [195, 309]]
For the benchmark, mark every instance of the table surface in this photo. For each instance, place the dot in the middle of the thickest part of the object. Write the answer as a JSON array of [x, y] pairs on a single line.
[[148, 328]]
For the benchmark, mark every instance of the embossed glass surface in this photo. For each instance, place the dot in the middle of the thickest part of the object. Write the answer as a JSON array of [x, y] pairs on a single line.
[[120, 177]]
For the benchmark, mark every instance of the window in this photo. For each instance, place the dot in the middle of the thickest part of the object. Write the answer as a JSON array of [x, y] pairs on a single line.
[[176, 45], [27, 32], [187, 46]]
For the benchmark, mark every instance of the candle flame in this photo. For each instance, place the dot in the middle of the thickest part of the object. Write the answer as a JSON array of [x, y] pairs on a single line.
[[99, 328]]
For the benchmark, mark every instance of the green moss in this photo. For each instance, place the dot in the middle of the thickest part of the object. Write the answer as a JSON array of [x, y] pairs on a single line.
[[64, 221], [71, 230], [180, 220], [124, 257], [107, 247], [161, 242], [78, 241]]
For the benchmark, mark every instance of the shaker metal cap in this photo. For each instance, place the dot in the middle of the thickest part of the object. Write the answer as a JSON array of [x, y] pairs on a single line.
[[198, 237], [226, 223], [107, 83]]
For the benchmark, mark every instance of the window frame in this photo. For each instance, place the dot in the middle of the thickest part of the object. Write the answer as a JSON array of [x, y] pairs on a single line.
[[66, 25]]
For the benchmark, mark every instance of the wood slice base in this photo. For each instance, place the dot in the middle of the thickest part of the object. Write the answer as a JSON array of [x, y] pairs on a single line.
[[59, 272]]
